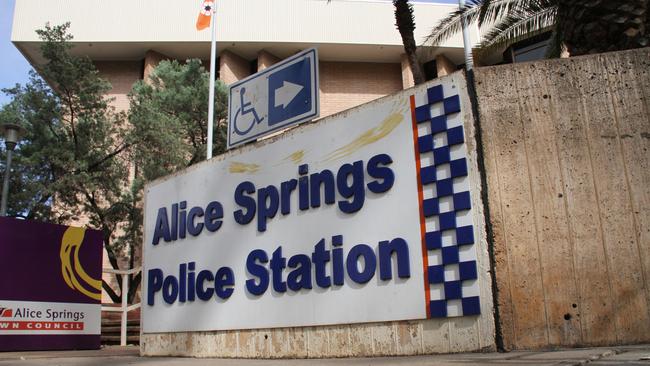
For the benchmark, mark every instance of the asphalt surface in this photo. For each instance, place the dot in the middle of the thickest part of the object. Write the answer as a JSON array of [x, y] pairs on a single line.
[[118, 356]]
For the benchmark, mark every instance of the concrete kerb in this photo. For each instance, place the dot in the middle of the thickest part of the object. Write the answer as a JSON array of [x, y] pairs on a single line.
[[114, 355]]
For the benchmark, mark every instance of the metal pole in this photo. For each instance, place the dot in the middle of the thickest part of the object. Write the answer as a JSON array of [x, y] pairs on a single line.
[[213, 53], [5, 185], [469, 60]]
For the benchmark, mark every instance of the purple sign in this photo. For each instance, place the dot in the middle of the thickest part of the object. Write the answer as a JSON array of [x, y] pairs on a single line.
[[50, 286]]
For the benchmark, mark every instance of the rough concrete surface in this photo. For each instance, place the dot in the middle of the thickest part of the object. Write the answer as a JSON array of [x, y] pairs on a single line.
[[117, 356], [566, 146]]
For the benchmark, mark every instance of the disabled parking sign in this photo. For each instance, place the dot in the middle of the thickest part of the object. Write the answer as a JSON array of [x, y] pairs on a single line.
[[277, 97]]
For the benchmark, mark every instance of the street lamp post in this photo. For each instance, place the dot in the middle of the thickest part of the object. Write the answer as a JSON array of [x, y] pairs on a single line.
[[12, 133]]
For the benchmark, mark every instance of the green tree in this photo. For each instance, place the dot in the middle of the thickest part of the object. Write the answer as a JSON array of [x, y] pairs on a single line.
[[169, 112], [72, 161], [579, 26], [29, 196], [82, 159]]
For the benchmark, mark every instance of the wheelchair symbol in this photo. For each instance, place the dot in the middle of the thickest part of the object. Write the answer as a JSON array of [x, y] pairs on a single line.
[[244, 110]]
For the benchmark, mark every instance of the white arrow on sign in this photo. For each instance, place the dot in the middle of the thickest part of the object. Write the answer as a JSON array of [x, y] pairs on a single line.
[[285, 94]]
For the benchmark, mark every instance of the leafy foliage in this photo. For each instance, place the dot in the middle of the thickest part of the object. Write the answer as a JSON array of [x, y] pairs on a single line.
[[169, 112], [29, 195], [83, 162], [581, 26], [509, 21]]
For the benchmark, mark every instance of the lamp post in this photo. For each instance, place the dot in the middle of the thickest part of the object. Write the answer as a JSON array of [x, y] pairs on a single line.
[[12, 134]]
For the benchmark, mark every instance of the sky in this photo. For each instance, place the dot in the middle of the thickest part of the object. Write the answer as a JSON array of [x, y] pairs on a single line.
[[13, 66]]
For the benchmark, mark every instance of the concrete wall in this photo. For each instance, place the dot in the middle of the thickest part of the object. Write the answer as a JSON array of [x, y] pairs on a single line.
[[265, 59], [568, 171], [233, 67], [121, 75]]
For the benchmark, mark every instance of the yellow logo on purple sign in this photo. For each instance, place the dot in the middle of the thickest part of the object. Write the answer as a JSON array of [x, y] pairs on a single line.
[[71, 268]]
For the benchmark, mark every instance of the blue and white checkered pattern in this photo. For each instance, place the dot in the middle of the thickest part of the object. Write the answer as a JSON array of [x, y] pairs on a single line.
[[446, 206]]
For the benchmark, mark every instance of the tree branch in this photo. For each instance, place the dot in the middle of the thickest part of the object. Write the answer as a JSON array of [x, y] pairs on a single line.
[[107, 157], [111, 293]]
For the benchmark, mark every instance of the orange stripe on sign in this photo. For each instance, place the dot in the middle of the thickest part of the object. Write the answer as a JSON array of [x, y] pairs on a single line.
[[423, 230]]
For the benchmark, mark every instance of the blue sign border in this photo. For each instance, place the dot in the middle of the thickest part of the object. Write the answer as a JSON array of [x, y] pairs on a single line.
[[295, 120]]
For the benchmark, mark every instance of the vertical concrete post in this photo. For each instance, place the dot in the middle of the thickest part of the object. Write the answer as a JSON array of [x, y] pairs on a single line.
[[407, 73]]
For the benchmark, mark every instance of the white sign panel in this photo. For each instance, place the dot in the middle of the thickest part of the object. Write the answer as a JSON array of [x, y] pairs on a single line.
[[274, 98], [49, 318], [332, 223]]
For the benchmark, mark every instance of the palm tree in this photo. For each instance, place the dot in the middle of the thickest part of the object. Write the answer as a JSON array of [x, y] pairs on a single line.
[[579, 26], [405, 23]]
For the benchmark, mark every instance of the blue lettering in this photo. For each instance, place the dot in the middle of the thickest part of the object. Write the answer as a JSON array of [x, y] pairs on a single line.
[[286, 188], [401, 250], [325, 178], [182, 285], [170, 289], [257, 270], [191, 282], [267, 206], [193, 228], [224, 279], [278, 263], [338, 273], [246, 202], [354, 189], [213, 216], [303, 187], [320, 258], [154, 284], [369, 263], [182, 220], [162, 227], [203, 293], [380, 172], [300, 277]]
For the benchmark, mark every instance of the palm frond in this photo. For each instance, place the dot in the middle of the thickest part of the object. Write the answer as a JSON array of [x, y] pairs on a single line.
[[518, 25], [453, 23], [493, 10], [485, 12]]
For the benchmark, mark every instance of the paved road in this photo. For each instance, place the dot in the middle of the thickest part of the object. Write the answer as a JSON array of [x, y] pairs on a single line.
[[118, 356]]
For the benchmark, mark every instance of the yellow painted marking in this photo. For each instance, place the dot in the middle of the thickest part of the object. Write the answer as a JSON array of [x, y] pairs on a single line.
[[371, 136], [236, 167]]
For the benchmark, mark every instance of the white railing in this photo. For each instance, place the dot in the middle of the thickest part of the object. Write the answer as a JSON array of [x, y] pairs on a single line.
[[125, 307]]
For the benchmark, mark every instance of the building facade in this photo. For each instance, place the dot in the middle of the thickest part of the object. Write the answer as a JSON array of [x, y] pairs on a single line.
[[361, 53]]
